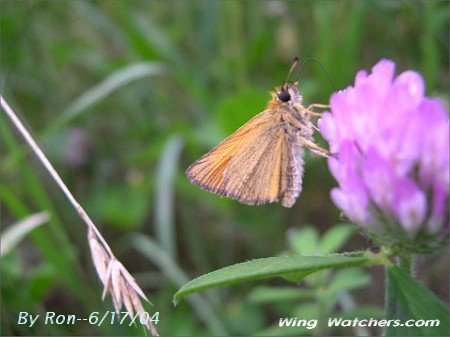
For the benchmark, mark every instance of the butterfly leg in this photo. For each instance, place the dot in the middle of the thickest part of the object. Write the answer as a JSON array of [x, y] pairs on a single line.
[[309, 109], [313, 147], [320, 106], [315, 128]]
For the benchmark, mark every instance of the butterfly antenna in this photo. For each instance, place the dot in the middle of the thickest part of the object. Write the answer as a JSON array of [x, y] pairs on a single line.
[[293, 66], [321, 66]]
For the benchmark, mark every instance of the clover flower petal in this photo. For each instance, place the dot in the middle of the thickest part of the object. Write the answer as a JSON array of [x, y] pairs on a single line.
[[391, 146]]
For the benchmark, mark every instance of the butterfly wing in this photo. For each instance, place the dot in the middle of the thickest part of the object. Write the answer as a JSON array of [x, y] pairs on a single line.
[[259, 163]]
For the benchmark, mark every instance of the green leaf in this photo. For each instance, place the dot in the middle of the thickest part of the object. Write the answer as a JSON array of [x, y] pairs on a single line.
[[300, 266], [265, 294], [304, 241], [413, 301], [233, 111], [41, 280], [335, 238], [107, 203], [348, 279]]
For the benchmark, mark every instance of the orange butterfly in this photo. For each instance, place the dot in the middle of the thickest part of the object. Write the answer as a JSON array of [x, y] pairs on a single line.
[[262, 162]]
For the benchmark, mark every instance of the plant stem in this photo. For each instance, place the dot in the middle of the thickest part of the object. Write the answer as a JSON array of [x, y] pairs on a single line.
[[405, 263], [50, 169], [389, 299]]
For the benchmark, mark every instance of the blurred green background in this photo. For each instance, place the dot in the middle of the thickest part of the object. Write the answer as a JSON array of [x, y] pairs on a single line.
[[124, 95]]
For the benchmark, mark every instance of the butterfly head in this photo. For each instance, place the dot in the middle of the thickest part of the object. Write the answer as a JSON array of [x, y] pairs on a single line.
[[288, 93]]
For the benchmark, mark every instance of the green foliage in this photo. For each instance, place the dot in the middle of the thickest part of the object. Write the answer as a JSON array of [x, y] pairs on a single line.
[[232, 112], [322, 285], [322, 294], [413, 301], [290, 267]]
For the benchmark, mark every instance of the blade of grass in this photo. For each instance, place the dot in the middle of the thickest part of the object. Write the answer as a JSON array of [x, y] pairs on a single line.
[[102, 23], [156, 254], [95, 94], [15, 233], [432, 17], [147, 33], [164, 204], [351, 42]]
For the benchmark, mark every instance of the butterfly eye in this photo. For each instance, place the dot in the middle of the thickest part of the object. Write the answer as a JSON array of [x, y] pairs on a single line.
[[284, 96]]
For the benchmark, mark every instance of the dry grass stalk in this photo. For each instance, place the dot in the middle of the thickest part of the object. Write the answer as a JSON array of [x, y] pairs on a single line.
[[114, 276]]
